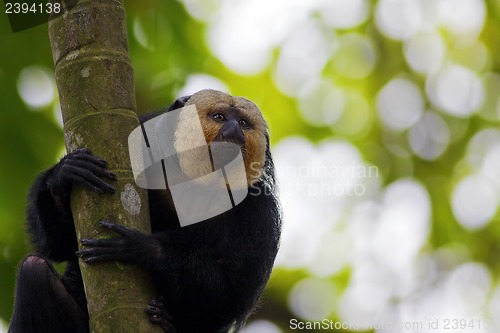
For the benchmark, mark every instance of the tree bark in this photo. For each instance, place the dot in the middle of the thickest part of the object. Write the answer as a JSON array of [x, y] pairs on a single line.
[[96, 89]]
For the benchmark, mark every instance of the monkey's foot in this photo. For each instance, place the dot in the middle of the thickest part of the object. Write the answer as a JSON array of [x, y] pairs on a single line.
[[158, 315]]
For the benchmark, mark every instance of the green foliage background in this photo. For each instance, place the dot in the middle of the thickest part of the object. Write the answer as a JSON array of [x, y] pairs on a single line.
[[31, 141]]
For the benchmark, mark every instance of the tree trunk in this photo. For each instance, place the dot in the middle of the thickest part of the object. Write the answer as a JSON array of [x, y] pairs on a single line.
[[96, 90]]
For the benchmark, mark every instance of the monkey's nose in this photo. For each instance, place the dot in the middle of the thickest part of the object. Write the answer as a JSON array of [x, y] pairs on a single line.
[[231, 132]]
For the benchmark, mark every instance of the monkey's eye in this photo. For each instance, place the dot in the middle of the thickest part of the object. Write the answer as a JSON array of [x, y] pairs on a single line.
[[218, 117], [244, 123]]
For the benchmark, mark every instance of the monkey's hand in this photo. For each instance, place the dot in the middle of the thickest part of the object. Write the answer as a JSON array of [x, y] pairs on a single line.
[[159, 315], [133, 247], [79, 167]]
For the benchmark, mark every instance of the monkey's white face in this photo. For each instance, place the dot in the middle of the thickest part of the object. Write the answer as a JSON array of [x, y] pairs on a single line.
[[223, 119]]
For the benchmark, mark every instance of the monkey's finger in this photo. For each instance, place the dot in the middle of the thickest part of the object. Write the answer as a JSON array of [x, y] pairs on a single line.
[[98, 186], [86, 253], [80, 180], [86, 155], [92, 242], [100, 258], [119, 229], [97, 252], [91, 178], [95, 169], [87, 178]]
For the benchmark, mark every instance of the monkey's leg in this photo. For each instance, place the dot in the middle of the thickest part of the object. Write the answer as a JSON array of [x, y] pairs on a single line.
[[42, 304]]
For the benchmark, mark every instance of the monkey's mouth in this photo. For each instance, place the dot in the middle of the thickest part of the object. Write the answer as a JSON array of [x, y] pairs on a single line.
[[224, 152], [226, 146], [227, 141]]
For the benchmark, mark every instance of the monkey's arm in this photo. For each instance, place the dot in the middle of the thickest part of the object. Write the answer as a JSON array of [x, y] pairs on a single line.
[[152, 252], [49, 219], [164, 253], [172, 258]]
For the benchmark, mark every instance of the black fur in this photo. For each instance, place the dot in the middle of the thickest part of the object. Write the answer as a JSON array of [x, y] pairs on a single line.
[[208, 276]]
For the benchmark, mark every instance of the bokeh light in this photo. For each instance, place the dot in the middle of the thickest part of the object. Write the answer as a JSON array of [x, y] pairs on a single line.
[[354, 57], [313, 299], [474, 202], [481, 144], [398, 19], [468, 288], [356, 117], [429, 137], [363, 302], [403, 225], [243, 35], [321, 103], [463, 17], [456, 90], [425, 52], [342, 14], [36, 86], [261, 326], [320, 180], [400, 104], [302, 57], [197, 82]]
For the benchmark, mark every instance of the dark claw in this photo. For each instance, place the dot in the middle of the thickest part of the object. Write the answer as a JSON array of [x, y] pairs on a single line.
[[119, 229], [84, 252], [85, 241], [159, 315], [110, 225], [105, 224], [80, 254], [101, 258], [99, 242]]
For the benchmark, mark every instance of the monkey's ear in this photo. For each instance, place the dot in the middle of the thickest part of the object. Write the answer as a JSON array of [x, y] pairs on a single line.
[[179, 103]]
